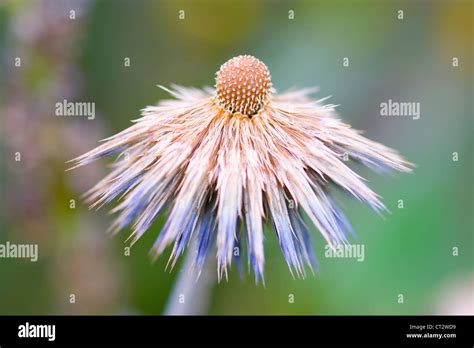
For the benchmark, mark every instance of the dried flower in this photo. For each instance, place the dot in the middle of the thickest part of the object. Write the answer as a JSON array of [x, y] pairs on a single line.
[[224, 162]]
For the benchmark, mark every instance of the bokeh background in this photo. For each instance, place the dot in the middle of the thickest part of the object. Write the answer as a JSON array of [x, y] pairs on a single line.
[[410, 252]]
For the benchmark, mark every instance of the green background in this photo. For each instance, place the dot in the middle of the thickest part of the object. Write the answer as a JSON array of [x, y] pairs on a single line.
[[409, 252]]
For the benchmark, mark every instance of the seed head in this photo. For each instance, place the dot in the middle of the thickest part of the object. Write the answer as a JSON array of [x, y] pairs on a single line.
[[224, 181], [242, 85]]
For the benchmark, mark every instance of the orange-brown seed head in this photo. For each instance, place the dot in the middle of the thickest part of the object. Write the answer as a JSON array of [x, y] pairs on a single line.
[[242, 85]]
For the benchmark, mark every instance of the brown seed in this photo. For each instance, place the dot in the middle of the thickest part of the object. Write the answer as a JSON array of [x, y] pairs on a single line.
[[247, 74]]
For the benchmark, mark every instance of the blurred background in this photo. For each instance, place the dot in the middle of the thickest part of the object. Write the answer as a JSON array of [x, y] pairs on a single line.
[[78, 51]]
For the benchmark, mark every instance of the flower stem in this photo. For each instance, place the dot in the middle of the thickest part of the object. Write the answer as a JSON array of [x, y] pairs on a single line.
[[191, 296]]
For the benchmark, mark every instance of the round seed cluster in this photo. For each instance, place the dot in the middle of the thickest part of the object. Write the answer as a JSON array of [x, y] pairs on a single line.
[[242, 85]]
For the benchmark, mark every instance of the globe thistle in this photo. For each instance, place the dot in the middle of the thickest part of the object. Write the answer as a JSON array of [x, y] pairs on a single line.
[[224, 162]]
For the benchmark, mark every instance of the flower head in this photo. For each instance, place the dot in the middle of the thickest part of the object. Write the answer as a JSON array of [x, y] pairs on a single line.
[[243, 85], [224, 162]]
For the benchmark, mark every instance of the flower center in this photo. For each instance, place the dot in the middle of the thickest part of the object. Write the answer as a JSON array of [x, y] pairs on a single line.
[[242, 85]]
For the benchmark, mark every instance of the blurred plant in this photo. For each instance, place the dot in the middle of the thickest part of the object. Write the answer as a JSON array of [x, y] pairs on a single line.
[[40, 42], [456, 297]]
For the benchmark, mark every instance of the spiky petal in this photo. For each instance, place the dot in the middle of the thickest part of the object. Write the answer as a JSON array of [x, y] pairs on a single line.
[[233, 159], [213, 170]]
